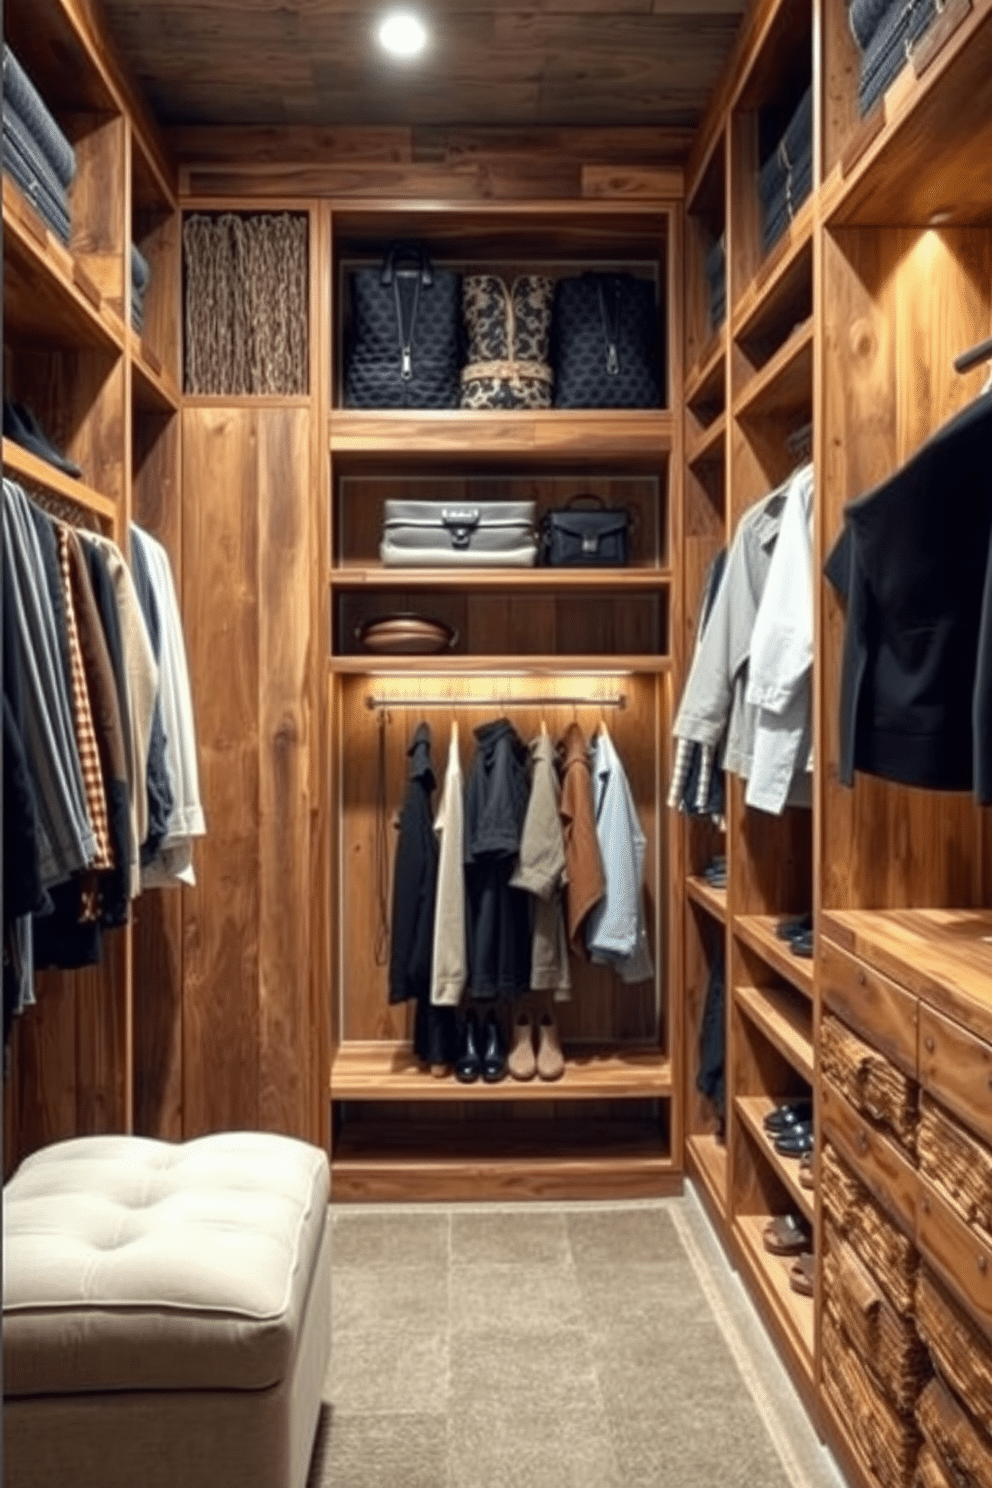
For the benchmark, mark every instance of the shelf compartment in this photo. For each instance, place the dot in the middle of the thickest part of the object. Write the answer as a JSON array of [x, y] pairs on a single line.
[[758, 932], [35, 472], [714, 901], [152, 390], [49, 299], [793, 1312], [389, 1072], [361, 577], [784, 386], [782, 300], [774, 1012], [752, 1110], [708, 1158], [707, 449], [502, 1159], [704, 386], [498, 666]]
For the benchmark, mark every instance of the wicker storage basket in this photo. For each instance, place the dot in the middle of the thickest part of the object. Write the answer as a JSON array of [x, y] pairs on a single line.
[[950, 1431], [931, 1470], [888, 1344], [888, 1442], [889, 1255], [961, 1352], [959, 1164], [871, 1082]]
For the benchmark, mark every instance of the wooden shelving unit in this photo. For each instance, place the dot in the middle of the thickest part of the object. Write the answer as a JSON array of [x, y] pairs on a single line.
[[792, 1312], [390, 1073], [773, 1010], [569, 581], [758, 932], [32, 471], [569, 438], [752, 1111], [711, 899]]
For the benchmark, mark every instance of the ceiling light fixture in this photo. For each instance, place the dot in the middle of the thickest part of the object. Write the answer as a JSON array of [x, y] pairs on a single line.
[[402, 34]]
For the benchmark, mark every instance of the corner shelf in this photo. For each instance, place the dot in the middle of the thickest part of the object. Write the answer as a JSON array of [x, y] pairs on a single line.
[[389, 1072], [752, 1110], [708, 448], [153, 391], [773, 1012], [48, 296], [712, 900], [758, 932], [704, 384]]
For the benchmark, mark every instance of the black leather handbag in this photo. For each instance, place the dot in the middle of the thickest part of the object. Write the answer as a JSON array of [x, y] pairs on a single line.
[[406, 334], [573, 537], [604, 342]]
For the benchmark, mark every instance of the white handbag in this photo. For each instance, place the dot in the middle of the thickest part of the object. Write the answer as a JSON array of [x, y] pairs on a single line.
[[438, 534]]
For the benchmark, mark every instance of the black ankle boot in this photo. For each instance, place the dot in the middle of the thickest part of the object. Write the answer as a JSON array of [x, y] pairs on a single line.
[[468, 1065], [493, 1050]]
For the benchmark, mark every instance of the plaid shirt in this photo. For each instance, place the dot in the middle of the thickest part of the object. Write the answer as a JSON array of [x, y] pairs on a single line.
[[89, 757]]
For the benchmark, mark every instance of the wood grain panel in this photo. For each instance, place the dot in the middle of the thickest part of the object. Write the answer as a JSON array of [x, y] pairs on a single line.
[[877, 1161], [870, 1003], [100, 201], [961, 1257], [956, 1067], [221, 1035], [103, 1057], [45, 1042], [286, 790]]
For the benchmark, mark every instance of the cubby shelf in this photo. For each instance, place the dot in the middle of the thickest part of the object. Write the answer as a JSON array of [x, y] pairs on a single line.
[[777, 273], [752, 1110], [153, 389], [389, 1072], [48, 296], [576, 580], [569, 439], [784, 385], [793, 1312], [704, 383], [707, 449], [758, 932], [29, 468], [788, 1027], [712, 900]]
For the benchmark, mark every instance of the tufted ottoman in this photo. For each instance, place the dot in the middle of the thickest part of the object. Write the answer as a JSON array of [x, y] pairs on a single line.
[[166, 1313]]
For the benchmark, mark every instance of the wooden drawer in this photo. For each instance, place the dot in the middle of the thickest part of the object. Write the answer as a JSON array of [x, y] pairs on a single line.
[[961, 1352], [958, 1164], [884, 1247], [876, 1160], [957, 1252], [887, 1442], [871, 1082], [885, 1340], [952, 1434], [956, 1067], [880, 1010]]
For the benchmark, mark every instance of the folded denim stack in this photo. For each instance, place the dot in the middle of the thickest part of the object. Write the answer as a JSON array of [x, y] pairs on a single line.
[[885, 31], [786, 178], [141, 274], [716, 277], [36, 154]]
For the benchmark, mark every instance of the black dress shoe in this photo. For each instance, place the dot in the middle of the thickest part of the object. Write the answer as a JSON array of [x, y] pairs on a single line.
[[20, 425], [798, 925], [796, 1141], [493, 1051], [468, 1064], [802, 945], [789, 1114]]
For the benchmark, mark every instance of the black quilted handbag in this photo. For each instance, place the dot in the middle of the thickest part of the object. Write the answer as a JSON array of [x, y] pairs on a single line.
[[406, 334], [604, 342]]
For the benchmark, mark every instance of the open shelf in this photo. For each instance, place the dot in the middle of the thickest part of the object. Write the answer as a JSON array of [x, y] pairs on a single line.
[[776, 277], [35, 472], [793, 1312], [153, 391], [707, 449], [712, 900], [498, 665], [752, 1110], [49, 299], [709, 1159], [758, 932], [704, 384], [579, 580], [784, 385], [786, 1026], [389, 1072], [569, 438]]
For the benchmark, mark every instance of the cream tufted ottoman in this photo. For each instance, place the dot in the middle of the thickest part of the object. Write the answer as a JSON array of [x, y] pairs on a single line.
[[166, 1313]]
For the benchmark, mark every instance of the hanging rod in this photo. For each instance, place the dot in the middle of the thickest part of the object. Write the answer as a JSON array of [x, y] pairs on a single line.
[[617, 701], [974, 356]]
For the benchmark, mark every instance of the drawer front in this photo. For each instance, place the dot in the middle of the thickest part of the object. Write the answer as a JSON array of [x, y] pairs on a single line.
[[956, 1068], [877, 1008], [876, 1160], [956, 1252]]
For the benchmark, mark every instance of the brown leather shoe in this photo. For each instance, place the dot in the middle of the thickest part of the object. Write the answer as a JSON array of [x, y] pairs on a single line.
[[550, 1059], [521, 1062]]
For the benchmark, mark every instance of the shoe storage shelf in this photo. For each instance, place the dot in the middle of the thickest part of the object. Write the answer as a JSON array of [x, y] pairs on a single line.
[[540, 646], [107, 400]]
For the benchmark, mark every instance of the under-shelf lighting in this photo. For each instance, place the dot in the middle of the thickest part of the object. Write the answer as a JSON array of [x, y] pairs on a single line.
[[402, 34]]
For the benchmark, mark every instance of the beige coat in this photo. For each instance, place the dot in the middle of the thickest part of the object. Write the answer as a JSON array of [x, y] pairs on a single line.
[[583, 863], [541, 870]]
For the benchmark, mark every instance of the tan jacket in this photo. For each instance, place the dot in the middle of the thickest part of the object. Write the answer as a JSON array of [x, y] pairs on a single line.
[[583, 863], [449, 961], [540, 870]]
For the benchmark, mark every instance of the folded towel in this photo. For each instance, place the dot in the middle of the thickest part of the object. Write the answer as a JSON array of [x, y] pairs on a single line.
[[54, 212], [141, 271], [31, 153], [865, 16], [29, 105]]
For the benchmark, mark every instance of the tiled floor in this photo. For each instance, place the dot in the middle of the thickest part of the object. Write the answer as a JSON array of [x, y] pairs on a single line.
[[552, 1346]]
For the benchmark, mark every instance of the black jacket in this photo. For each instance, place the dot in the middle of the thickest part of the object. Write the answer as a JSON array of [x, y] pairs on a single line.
[[496, 796], [911, 564], [414, 880]]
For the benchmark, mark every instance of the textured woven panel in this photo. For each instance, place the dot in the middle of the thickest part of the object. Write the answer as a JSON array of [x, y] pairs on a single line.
[[246, 304], [889, 1255], [888, 1343], [931, 1470], [951, 1432], [871, 1082], [959, 1164], [888, 1442], [961, 1352]]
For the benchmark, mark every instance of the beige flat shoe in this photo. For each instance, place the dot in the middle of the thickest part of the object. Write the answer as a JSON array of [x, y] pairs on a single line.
[[550, 1059], [521, 1061]]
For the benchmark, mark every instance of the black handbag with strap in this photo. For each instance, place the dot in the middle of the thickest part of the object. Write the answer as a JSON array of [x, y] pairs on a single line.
[[604, 342], [577, 537], [406, 322]]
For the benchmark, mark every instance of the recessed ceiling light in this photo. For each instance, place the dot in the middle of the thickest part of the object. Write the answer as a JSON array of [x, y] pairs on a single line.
[[936, 219], [402, 34]]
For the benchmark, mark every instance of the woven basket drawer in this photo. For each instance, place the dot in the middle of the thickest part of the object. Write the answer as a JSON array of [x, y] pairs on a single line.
[[888, 1442], [887, 1342], [961, 1352], [889, 1256], [966, 1451], [957, 1163], [872, 1083]]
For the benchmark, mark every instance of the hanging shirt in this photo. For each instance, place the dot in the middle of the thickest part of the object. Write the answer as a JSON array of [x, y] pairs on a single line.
[[585, 878], [541, 871], [449, 965], [498, 915], [616, 931]]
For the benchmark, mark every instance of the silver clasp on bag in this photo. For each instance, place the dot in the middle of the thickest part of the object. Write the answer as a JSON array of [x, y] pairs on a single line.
[[461, 525], [590, 542]]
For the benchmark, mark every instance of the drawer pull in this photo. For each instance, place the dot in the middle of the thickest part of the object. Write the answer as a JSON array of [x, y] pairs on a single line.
[[983, 1264], [862, 1141], [925, 1205], [928, 1044], [862, 979]]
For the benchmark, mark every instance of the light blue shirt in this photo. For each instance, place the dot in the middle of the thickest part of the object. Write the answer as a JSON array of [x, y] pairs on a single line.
[[616, 931]]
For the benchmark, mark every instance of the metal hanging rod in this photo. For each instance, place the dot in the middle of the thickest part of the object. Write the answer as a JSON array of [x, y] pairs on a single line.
[[974, 356], [617, 701]]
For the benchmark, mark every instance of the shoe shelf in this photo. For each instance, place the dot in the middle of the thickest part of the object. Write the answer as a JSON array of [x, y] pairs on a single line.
[[389, 1072], [751, 1111], [789, 1309], [34, 471], [711, 899], [773, 1010], [502, 1158], [575, 580], [784, 385], [758, 932], [49, 299], [708, 1157]]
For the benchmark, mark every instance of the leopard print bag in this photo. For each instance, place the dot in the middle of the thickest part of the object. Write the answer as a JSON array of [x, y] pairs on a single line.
[[508, 333]]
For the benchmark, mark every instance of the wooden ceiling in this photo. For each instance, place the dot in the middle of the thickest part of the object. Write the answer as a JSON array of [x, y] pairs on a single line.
[[533, 62]]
